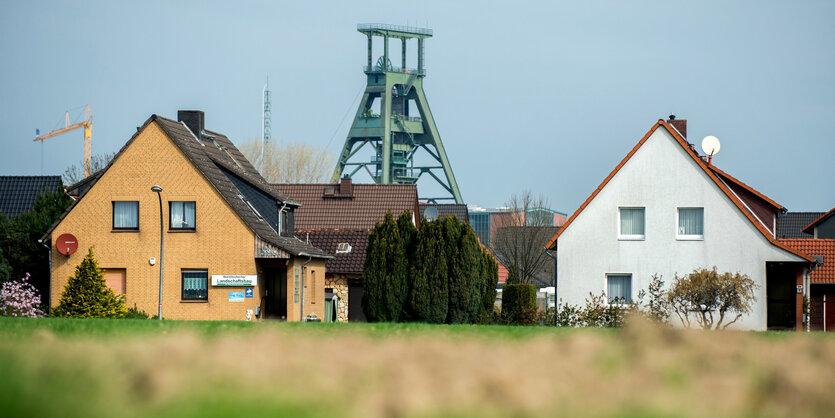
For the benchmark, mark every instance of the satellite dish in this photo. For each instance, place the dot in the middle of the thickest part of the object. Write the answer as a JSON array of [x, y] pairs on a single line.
[[710, 145], [430, 214]]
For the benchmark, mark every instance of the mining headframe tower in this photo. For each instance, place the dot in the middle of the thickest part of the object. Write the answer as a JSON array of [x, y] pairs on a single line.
[[395, 135]]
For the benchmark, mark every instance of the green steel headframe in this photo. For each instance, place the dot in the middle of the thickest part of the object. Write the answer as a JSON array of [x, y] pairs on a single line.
[[395, 135]]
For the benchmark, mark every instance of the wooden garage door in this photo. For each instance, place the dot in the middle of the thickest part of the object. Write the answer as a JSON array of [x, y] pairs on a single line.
[[115, 279]]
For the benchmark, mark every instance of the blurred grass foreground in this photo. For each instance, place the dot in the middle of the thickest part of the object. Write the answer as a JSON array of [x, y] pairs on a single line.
[[99, 368]]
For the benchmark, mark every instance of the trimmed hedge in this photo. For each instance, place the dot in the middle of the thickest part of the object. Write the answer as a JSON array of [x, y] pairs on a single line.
[[518, 300]]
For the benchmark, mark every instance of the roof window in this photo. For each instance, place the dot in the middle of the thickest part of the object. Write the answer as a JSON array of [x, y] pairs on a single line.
[[343, 248]]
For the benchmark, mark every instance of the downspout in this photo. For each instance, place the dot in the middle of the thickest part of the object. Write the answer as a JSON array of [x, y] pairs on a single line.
[[304, 265], [555, 283], [281, 224], [49, 296]]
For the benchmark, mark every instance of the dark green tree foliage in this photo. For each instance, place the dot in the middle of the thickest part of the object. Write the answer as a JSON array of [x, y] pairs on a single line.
[[86, 295], [19, 239], [517, 300], [384, 280], [408, 233], [429, 295], [459, 292], [490, 280], [471, 266]]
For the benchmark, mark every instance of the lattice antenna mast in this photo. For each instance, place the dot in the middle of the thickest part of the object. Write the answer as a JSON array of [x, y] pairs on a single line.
[[266, 117], [395, 135]]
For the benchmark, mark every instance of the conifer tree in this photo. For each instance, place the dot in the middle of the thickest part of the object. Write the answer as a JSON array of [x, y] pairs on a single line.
[[86, 295], [490, 278], [429, 298], [459, 295], [470, 259], [384, 280]]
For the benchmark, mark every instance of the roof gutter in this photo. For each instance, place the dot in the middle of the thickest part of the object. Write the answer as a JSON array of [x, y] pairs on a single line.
[[49, 294]]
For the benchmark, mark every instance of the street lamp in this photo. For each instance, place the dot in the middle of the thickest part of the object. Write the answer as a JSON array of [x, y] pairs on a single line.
[[158, 191]]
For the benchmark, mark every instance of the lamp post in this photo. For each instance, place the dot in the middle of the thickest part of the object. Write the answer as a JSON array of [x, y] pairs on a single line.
[[158, 191]]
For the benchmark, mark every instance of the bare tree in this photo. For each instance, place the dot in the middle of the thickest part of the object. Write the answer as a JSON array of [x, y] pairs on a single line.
[[522, 230], [293, 162], [75, 173]]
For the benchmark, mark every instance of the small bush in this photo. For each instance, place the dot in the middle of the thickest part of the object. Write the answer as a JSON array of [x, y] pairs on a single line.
[[19, 298], [519, 304], [136, 313]]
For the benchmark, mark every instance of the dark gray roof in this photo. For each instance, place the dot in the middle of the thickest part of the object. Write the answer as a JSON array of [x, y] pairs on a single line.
[[790, 224], [18, 193], [448, 209], [213, 156]]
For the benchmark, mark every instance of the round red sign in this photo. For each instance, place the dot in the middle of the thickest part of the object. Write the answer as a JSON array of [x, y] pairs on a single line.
[[66, 244]]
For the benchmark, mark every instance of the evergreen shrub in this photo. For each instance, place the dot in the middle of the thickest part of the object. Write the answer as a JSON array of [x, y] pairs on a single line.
[[518, 301], [86, 295]]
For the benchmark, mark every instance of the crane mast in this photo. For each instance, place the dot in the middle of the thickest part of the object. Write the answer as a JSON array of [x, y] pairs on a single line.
[[87, 124]]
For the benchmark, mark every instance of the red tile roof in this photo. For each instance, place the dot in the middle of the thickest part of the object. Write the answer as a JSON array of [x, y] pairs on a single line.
[[809, 229], [824, 273], [701, 163], [350, 262], [366, 205]]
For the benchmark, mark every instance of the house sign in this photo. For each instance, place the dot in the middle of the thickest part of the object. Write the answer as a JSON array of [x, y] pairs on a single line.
[[234, 279]]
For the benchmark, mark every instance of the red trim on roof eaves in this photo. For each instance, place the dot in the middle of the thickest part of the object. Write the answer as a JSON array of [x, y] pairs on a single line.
[[747, 187], [816, 221], [684, 144]]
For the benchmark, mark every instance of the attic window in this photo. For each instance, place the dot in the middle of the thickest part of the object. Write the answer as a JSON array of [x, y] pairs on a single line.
[[343, 248]]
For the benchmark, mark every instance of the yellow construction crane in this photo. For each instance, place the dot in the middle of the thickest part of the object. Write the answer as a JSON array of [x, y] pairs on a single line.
[[87, 124]]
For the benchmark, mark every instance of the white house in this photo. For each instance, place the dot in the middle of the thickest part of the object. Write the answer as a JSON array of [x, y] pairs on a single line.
[[665, 210]]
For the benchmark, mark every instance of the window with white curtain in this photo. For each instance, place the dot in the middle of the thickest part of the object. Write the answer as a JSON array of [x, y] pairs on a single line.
[[195, 285], [182, 215], [631, 223], [619, 288], [126, 215], [690, 223]]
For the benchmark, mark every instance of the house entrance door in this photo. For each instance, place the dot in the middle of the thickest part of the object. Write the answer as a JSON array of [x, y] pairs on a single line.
[[276, 297], [781, 295]]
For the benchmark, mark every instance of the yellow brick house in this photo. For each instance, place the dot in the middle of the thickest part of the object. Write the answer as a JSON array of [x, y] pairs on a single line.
[[229, 247]]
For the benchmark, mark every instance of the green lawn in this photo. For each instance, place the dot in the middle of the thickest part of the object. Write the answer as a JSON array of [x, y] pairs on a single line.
[[53, 367]]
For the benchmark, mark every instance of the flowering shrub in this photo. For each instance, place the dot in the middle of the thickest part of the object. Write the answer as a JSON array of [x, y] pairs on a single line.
[[19, 298]]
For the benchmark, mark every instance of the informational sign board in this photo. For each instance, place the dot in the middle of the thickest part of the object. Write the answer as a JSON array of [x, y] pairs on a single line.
[[236, 296], [234, 279], [248, 292]]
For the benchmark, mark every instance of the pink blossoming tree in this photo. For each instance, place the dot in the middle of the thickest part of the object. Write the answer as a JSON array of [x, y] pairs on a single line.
[[19, 298]]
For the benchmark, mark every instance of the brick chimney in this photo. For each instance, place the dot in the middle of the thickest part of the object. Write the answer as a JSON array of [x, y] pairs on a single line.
[[345, 186], [679, 124], [194, 119]]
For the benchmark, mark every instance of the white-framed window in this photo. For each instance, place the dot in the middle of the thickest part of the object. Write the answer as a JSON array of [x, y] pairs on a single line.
[[619, 288], [690, 223], [631, 223]]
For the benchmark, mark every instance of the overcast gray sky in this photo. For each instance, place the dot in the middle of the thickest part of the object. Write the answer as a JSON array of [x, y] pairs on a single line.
[[547, 96]]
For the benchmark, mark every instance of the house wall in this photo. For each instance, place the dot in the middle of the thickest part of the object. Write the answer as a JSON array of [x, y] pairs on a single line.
[[222, 243], [313, 284], [660, 176], [339, 284]]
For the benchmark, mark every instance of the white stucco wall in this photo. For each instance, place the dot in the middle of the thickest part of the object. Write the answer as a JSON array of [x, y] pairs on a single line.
[[661, 177]]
